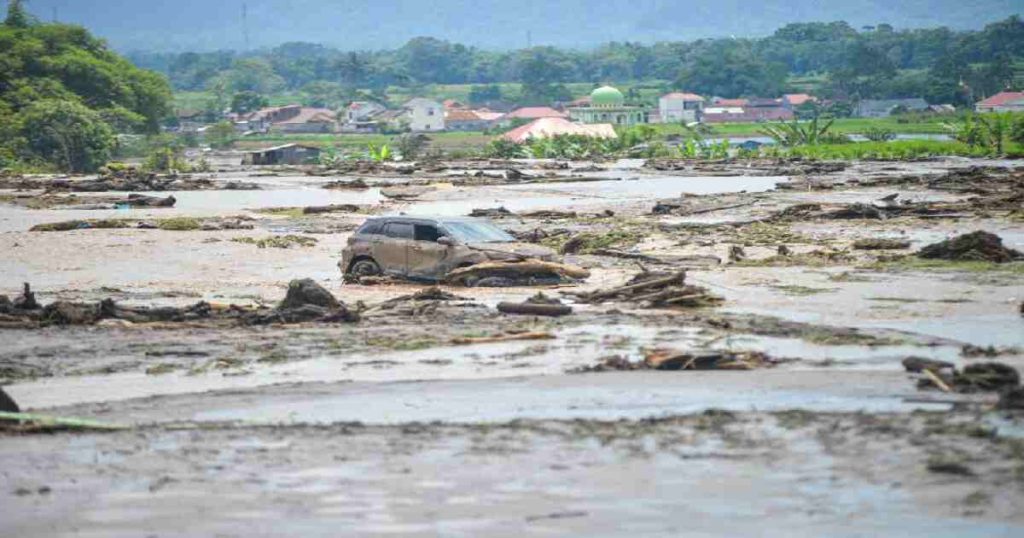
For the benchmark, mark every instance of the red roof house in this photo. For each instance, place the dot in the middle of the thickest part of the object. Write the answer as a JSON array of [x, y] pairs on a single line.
[[1002, 102]]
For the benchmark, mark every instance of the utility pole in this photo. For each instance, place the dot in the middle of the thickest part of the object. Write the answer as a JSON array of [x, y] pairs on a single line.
[[245, 25]]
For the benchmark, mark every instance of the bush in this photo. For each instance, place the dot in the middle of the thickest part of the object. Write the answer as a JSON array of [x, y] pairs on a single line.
[[68, 134]]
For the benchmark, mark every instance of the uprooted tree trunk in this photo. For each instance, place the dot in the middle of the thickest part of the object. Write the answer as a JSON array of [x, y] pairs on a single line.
[[515, 271]]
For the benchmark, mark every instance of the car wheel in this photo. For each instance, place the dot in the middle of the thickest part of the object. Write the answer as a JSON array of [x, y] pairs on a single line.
[[365, 267]]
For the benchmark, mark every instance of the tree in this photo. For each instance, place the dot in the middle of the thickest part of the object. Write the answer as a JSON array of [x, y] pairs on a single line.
[[221, 135], [247, 101], [483, 94], [68, 134], [17, 17]]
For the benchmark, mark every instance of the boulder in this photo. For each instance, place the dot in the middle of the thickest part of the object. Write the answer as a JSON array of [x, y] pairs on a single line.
[[307, 292]]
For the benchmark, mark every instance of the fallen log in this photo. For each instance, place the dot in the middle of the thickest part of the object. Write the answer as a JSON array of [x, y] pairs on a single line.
[[535, 309], [515, 270]]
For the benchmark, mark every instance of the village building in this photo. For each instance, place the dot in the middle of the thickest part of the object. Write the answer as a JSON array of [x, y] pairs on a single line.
[[792, 101], [1002, 102], [679, 107], [729, 103], [309, 120], [608, 105], [424, 115], [360, 117], [534, 113], [460, 119], [287, 154], [883, 108], [549, 127]]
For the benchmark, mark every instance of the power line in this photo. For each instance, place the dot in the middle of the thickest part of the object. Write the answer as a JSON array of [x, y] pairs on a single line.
[[245, 25]]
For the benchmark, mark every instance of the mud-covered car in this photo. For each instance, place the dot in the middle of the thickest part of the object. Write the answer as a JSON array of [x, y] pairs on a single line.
[[427, 248]]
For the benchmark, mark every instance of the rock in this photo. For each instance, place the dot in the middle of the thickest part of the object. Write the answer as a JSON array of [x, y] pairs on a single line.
[[538, 305], [783, 250], [494, 212], [307, 292], [66, 313], [7, 403], [919, 364], [976, 246], [1012, 398]]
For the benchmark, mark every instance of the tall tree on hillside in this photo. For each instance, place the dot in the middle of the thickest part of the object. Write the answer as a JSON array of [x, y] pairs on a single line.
[[17, 17]]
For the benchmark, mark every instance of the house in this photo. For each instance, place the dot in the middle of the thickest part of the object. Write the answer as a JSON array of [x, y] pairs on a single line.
[[309, 120], [608, 105], [261, 120], [1002, 102], [680, 107], [361, 117], [549, 127], [465, 120], [286, 154], [792, 101], [883, 108], [534, 113], [424, 115], [730, 103]]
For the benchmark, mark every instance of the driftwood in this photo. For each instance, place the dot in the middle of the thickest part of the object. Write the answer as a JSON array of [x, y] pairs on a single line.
[[535, 309], [661, 359], [655, 290], [515, 270]]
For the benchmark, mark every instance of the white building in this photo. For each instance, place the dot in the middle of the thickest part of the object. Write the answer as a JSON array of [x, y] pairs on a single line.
[[424, 115], [680, 108]]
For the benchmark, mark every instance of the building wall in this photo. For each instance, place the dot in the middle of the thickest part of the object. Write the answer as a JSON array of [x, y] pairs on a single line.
[[627, 116], [677, 111], [426, 117]]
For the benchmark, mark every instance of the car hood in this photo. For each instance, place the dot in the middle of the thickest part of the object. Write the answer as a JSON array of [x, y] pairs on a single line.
[[500, 250]]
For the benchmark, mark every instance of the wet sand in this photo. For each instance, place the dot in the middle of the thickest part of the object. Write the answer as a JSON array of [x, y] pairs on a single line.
[[385, 427]]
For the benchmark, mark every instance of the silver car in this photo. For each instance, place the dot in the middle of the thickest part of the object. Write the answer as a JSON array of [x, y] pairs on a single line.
[[427, 248]]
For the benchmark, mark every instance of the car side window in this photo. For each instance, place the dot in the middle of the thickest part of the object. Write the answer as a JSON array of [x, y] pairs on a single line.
[[370, 228], [398, 230], [426, 232]]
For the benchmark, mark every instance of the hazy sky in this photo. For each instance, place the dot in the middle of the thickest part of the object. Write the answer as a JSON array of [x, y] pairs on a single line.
[[371, 24]]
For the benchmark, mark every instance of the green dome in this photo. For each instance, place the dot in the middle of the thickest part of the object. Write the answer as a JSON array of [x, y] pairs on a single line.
[[607, 96]]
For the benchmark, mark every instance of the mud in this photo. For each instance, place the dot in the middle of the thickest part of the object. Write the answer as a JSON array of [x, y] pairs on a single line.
[[396, 408]]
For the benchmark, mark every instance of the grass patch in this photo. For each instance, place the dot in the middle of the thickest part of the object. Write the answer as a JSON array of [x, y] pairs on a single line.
[[899, 150], [278, 241], [290, 212], [69, 225], [818, 258], [763, 233], [179, 224], [913, 263]]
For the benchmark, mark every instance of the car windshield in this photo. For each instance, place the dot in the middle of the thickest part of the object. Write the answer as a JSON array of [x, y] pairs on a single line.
[[477, 232]]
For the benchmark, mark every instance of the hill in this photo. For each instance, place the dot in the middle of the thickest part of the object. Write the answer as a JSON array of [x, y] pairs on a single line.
[[497, 24]]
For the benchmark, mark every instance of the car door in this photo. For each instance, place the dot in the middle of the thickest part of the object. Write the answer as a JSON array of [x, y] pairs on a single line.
[[426, 255], [391, 250]]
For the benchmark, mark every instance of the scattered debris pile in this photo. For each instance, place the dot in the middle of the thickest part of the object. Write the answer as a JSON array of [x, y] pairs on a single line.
[[515, 273], [306, 301], [655, 290], [975, 246], [667, 359], [538, 305], [688, 205], [134, 180], [426, 301], [176, 224], [974, 378], [673, 360]]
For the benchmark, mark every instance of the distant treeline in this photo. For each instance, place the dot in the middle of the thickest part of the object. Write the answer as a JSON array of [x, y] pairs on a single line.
[[940, 64]]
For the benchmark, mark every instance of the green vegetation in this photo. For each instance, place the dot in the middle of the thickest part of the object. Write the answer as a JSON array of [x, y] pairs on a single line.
[[832, 60], [63, 95], [179, 224]]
